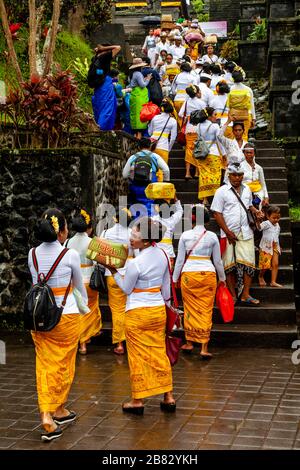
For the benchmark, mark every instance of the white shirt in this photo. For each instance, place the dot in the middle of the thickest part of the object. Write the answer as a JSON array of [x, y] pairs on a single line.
[[255, 174], [219, 105], [128, 170], [80, 243], [192, 104], [180, 83], [156, 126], [234, 214], [149, 269], [208, 246], [118, 234], [210, 59], [177, 52], [46, 254], [207, 95], [215, 80], [209, 131], [170, 224], [160, 46], [234, 152], [270, 234]]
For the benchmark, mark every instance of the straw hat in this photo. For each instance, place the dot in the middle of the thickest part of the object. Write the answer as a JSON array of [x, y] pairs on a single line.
[[137, 62]]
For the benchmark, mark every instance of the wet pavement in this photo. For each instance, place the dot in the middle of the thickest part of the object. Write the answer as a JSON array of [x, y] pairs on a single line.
[[241, 399]]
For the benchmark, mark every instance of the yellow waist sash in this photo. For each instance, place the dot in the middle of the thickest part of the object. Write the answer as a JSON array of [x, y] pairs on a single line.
[[60, 290], [181, 91], [164, 134], [168, 241], [151, 290], [199, 257], [86, 265], [254, 186]]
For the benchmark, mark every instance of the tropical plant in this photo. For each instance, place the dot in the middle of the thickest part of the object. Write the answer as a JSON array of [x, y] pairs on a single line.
[[229, 50], [260, 30], [198, 7], [48, 105]]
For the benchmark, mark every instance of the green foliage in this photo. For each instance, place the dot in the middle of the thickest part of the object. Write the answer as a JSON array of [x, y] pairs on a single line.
[[97, 12], [235, 32], [198, 7], [259, 31], [294, 211], [229, 50]]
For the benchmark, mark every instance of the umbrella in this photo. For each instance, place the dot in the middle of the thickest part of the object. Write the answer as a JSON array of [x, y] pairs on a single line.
[[150, 20]]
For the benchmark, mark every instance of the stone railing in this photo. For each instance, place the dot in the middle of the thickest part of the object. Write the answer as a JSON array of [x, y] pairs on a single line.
[[33, 180]]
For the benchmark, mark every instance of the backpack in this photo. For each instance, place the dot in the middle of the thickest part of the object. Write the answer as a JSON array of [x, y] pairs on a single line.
[[95, 76], [155, 91], [142, 174], [201, 149], [41, 312]]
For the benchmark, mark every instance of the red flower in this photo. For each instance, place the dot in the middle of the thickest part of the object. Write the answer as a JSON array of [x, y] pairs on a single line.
[[15, 27]]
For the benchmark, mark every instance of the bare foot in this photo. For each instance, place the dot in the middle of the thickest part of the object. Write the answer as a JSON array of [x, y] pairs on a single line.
[[262, 282], [119, 350], [275, 284], [187, 347]]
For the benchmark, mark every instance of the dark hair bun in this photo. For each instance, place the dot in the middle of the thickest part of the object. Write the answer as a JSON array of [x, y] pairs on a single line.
[[151, 230], [44, 232], [79, 224]]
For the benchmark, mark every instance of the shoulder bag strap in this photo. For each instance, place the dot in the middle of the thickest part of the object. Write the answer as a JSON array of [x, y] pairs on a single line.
[[173, 290], [35, 262], [240, 200], [52, 269], [163, 129], [193, 247]]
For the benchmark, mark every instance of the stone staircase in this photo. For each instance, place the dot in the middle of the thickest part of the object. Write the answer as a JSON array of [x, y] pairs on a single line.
[[273, 323]]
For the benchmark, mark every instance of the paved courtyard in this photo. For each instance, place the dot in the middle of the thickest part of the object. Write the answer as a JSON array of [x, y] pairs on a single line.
[[241, 399]]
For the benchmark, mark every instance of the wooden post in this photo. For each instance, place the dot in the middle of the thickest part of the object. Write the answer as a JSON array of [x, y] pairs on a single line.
[[10, 45], [32, 38]]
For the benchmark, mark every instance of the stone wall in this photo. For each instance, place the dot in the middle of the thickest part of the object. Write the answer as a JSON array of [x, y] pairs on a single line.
[[34, 180], [227, 10]]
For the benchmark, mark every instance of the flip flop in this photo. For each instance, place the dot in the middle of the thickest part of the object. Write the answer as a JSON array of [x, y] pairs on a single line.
[[250, 301]]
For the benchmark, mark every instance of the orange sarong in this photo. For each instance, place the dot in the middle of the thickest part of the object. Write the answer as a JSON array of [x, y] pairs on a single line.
[[189, 149], [164, 154], [209, 175], [117, 304], [150, 369], [198, 295], [55, 361], [90, 323]]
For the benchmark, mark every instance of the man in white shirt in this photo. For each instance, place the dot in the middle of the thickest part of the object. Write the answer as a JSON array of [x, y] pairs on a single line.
[[237, 241], [207, 95], [177, 50]]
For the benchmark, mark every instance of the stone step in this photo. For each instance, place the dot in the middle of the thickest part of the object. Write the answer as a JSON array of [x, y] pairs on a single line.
[[191, 197], [266, 313], [274, 166], [239, 335]]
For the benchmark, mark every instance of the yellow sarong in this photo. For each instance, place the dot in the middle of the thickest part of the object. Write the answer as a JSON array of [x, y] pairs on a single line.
[[164, 154], [55, 362], [198, 295], [210, 170], [150, 369], [189, 149], [117, 303], [91, 323]]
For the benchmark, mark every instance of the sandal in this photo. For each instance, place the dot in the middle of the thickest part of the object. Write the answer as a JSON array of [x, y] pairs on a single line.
[[250, 301]]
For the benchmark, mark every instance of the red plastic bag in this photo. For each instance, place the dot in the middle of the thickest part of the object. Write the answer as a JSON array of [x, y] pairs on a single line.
[[149, 110], [225, 303]]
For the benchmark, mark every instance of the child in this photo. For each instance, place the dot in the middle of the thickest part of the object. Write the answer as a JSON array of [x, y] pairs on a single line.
[[269, 246]]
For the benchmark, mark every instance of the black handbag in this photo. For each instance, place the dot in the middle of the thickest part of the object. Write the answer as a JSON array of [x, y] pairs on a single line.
[[98, 280]]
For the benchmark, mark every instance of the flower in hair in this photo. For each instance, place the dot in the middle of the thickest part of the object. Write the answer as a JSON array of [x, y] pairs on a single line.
[[86, 216], [54, 223]]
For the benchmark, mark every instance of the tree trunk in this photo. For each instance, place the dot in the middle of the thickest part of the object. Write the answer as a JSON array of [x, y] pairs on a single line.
[[39, 61], [10, 45], [54, 29], [32, 38]]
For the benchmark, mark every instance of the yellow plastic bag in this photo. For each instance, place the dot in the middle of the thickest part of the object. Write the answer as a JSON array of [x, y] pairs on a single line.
[[160, 191], [107, 252]]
